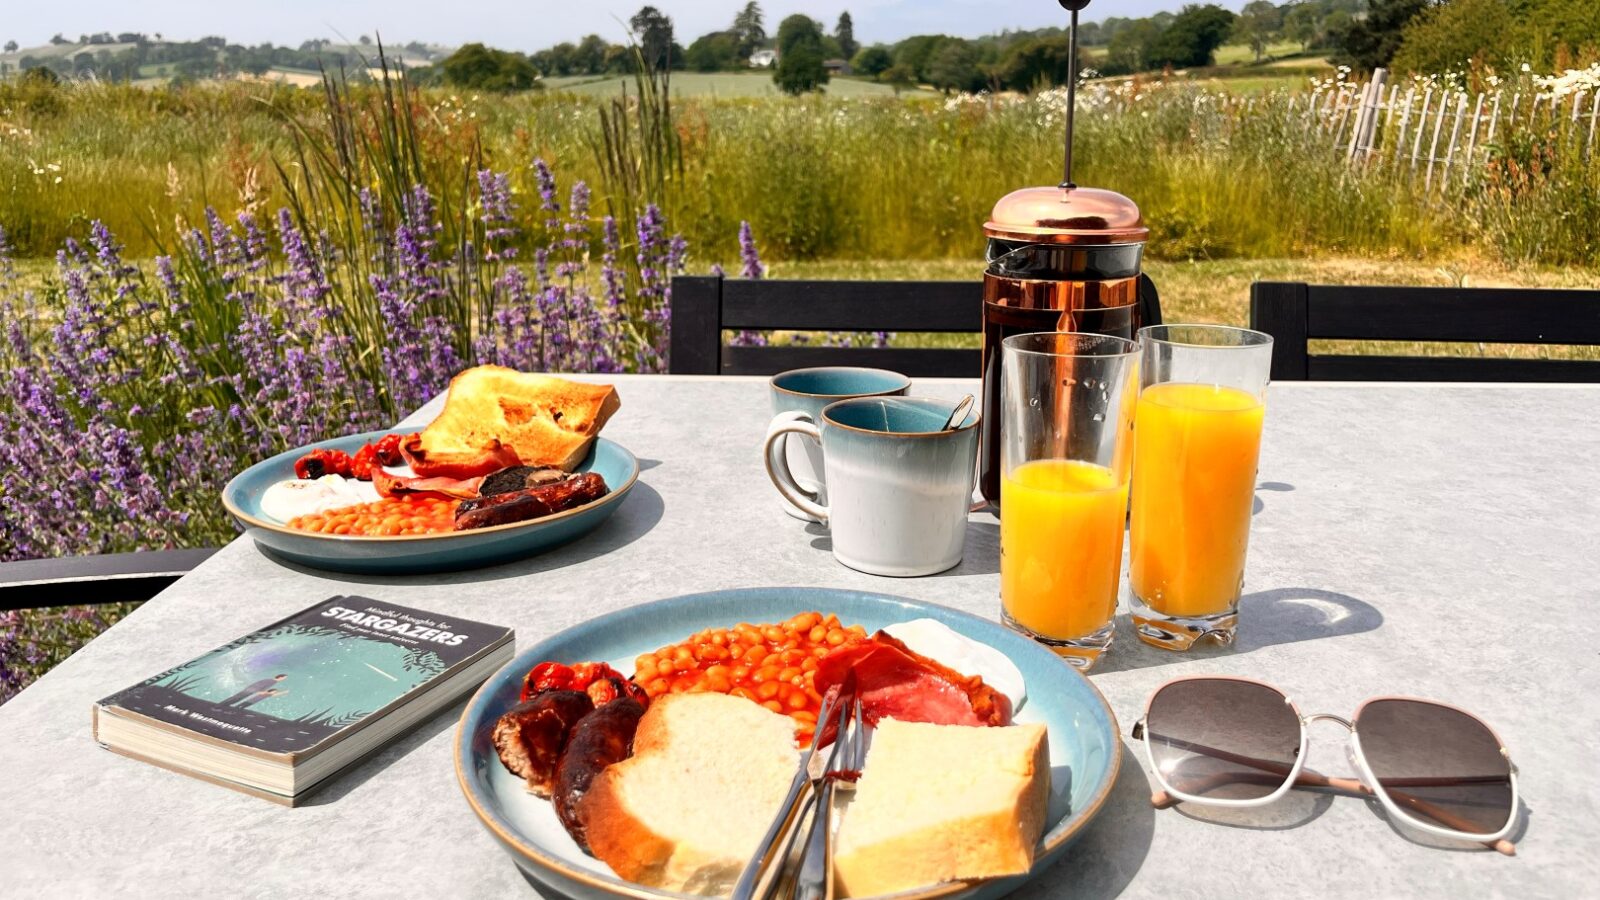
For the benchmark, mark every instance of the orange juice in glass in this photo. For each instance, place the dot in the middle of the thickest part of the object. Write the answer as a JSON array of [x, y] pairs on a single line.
[[1067, 404], [1197, 439]]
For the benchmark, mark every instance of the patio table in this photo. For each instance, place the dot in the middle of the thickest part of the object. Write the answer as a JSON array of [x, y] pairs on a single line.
[[1437, 541]]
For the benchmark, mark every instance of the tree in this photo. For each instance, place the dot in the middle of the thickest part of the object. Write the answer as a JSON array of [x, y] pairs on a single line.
[[872, 61], [845, 34], [1193, 37], [589, 57], [366, 40], [1443, 37], [899, 76], [1365, 44], [653, 30], [954, 67], [480, 68], [797, 30], [58, 39], [11, 46], [1257, 25], [749, 29], [713, 52], [1301, 24], [918, 51], [800, 56], [1132, 47], [1030, 64]]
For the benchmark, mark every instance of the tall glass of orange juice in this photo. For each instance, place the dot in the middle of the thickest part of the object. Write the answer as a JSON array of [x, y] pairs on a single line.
[[1197, 438], [1067, 404]]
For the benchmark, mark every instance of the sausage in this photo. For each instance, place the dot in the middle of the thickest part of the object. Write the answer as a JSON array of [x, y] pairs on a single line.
[[530, 737], [532, 503], [603, 737]]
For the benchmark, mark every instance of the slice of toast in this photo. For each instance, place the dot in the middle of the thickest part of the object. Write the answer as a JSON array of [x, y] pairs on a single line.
[[544, 420], [688, 809], [940, 803]]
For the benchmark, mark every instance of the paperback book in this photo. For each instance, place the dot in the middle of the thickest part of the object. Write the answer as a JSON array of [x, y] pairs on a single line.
[[280, 711]]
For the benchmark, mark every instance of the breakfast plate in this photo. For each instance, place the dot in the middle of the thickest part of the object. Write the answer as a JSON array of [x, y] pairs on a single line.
[[408, 554], [1084, 749]]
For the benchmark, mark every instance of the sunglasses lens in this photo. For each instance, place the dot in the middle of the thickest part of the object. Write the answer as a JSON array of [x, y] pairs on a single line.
[[1441, 766], [1222, 740]]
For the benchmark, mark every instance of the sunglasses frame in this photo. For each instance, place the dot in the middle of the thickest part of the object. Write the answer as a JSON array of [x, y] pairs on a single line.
[[1368, 784]]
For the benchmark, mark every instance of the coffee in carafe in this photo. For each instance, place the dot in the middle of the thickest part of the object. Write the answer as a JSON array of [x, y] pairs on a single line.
[[1061, 258]]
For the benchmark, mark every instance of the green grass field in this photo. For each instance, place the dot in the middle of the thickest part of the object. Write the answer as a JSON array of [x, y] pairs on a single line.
[[1241, 53], [723, 85]]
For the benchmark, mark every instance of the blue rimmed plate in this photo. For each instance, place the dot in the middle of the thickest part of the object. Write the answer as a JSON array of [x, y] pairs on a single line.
[[410, 554], [1084, 748]]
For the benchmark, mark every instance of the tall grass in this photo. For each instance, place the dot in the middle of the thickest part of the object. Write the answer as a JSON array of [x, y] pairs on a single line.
[[817, 177]]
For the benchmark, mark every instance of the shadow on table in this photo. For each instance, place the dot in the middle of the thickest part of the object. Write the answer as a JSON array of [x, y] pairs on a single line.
[[1112, 847], [979, 556], [1435, 842], [354, 777], [1266, 619], [1257, 506], [638, 514]]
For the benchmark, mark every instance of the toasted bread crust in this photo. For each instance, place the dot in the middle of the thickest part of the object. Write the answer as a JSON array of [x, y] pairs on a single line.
[[542, 419]]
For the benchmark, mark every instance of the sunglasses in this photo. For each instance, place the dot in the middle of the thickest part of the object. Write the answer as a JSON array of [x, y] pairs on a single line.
[[1237, 742]]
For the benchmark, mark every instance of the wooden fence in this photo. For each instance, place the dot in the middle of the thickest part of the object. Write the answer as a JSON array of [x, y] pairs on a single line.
[[1438, 136]]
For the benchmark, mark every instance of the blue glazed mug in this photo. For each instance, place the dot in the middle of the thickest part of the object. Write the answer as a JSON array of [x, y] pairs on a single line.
[[801, 395], [899, 486]]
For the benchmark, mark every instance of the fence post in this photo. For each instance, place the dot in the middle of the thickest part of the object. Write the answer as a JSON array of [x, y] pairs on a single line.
[[1422, 124], [1367, 120], [1388, 118], [1467, 162], [1433, 146], [1455, 135], [1594, 114], [1494, 118], [1405, 120]]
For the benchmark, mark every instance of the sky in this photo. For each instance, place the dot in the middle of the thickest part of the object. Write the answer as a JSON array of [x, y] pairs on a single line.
[[520, 24]]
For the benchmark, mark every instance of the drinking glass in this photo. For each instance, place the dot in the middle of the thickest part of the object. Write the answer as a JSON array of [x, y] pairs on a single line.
[[1197, 438], [1067, 403]]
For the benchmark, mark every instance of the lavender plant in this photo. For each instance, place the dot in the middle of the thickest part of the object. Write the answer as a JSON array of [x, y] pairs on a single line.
[[128, 396]]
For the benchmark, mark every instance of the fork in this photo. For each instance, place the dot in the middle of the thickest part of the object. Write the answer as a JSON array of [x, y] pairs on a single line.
[[774, 848], [850, 751]]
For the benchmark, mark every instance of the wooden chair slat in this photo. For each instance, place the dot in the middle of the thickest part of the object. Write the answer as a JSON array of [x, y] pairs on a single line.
[[1486, 315], [1452, 368], [1295, 314], [914, 362], [939, 306]]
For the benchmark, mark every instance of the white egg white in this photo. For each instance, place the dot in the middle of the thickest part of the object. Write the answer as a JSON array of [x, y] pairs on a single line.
[[936, 640], [301, 497]]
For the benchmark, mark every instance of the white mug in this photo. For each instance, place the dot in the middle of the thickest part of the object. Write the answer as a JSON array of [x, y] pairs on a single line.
[[803, 394], [899, 485]]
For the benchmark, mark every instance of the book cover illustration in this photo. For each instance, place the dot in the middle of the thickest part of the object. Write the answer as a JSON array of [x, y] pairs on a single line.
[[291, 685]]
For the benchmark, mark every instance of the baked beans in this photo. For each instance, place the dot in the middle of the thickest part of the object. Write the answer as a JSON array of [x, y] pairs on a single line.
[[408, 514], [773, 665]]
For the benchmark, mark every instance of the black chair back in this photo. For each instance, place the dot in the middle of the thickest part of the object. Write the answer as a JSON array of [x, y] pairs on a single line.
[[703, 307], [1295, 314]]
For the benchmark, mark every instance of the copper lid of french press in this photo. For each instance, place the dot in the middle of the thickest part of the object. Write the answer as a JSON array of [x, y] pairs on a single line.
[[1066, 215]]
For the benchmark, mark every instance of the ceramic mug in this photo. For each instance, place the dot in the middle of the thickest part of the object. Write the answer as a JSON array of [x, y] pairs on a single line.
[[899, 487], [802, 394]]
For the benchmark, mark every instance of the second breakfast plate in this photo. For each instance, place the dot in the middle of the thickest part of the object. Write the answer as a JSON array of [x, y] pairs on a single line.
[[1084, 748], [411, 554]]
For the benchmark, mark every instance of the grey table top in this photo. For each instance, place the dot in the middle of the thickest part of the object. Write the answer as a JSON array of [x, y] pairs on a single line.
[[1424, 540]]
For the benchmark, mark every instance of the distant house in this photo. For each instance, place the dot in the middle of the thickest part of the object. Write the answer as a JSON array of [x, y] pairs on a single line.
[[764, 59], [837, 66]]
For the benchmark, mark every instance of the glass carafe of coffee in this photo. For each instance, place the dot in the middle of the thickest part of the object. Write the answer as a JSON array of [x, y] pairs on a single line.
[[1061, 258]]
